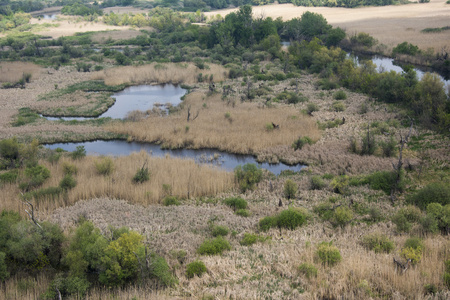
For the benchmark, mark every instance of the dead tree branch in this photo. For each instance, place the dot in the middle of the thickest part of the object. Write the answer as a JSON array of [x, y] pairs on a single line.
[[30, 212], [189, 114]]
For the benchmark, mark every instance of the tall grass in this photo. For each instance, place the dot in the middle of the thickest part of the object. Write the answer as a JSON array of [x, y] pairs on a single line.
[[186, 178], [13, 71], [175, 73], [238, 129]]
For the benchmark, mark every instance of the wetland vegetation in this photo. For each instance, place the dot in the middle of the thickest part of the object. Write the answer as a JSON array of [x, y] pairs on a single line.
[[367, 217]]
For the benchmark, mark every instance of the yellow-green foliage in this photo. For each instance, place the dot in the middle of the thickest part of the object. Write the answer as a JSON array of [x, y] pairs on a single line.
[[328, 254], [105, 166]]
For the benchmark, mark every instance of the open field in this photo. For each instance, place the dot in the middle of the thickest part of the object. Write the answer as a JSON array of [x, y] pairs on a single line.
[[390, 25]]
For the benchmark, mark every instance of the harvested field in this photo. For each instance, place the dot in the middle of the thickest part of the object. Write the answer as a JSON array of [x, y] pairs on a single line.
[[391, 25]]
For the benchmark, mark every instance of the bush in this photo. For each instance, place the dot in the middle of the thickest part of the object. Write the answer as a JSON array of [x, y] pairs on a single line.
[[213, 246], [309, 270], [68, 182], [171, 200], [195, 268], [267, 222], [35, 176], [236, 203], [338, 106], [340, 95], [4, 274], [247, 176], [405, 48], [340, 184], [218, 230], [311, 107], [250, 238], [142, 175], [301, 141], [342, 216], [389, 148], [436, 192], [9, 177], [384, 181], [80, 152], [105, 166], [405, 217], [413, 249], [242, 212], [328, 254], [290, 189], [291, 218], [69, 169], [317, 183], [378, 243]]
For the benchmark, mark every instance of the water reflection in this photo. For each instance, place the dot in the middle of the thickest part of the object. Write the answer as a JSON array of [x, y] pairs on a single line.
[[224, 160]]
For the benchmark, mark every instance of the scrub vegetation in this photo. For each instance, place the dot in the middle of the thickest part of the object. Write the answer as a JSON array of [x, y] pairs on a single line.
[[363, 212]]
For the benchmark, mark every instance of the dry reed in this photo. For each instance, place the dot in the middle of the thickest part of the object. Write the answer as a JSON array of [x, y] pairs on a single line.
[[185, 177], [14, 71], [175, 73], [239, 128]]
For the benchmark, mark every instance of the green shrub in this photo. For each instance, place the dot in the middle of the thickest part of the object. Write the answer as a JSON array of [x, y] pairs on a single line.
[[218, 230], [430, 289], [328, 254], [236, 203], [105, 166], [4, 274], [405, 218], [342, 216], [250, 238], [68, 182], [242, 212], [302, 141], [311, 107], [309, 270], [290, 189], [291, 218], [389, 148], [402, 223], [324, 210], [405, 48], [195, 268], [80, 152], [267, 222], [317, 183], [52, 192], [378, 243], [171, 200], [340, 184], [142, 175], [69, 169], [430, 224], [34, 177], [338, 106], [340, 95], [412, 249], [384, 181], [436, 192], [9, 149], [9, 177], [437, 215], [213, 246], [247, 176]]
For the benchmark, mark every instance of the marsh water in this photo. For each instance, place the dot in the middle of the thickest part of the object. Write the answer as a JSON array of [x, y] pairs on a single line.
[[140, 97], [221, 159]]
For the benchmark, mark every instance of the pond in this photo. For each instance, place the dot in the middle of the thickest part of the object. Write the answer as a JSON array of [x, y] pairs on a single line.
[[222, 159], [386, 64], [141, 97]]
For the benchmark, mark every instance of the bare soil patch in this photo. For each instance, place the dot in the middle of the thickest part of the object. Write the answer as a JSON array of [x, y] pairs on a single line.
[[391, 25]]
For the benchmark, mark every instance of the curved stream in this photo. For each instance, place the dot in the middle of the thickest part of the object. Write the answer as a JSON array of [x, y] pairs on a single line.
[[221, 159]]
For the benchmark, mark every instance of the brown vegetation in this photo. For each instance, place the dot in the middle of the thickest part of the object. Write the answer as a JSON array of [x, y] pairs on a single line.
[[14, 71], [238, 128], [175, 73]]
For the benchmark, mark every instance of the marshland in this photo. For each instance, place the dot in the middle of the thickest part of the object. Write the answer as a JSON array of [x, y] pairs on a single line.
[[347, 193]]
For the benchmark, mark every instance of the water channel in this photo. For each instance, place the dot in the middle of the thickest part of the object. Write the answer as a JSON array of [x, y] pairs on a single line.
[[221, 159]]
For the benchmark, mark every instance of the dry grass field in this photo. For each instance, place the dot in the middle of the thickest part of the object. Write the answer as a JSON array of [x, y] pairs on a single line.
[[175, 73], [390, 25], [14, 71]]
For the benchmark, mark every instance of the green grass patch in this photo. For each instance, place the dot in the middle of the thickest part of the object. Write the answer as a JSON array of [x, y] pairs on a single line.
[[25, 116], [435, 29], [213, 246]]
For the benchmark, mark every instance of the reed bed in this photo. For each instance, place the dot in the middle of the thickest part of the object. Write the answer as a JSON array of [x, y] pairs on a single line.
[[175, 73], [14, 71], [238, 128], [183, 178]]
